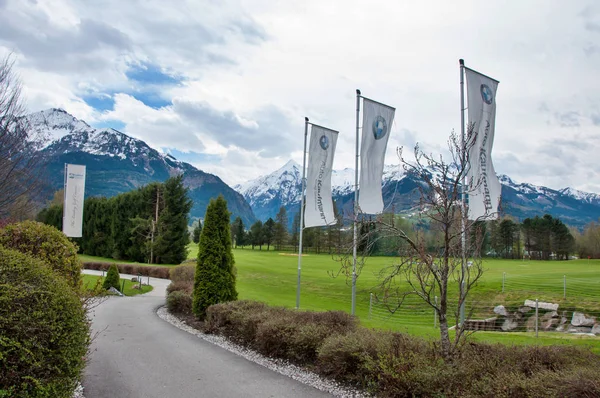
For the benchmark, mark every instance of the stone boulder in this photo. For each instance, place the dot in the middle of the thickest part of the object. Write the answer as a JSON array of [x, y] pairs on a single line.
[[580, 319], [596, 329], [500, 310], [541, 305], [525, 309], [509, 324]]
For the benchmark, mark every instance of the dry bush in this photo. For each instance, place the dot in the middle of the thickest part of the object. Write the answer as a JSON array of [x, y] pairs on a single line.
[[183, 273], [179, 302]]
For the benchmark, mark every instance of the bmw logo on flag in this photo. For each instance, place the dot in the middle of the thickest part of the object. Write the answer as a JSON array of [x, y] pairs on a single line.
[[324, 142], [486, 94], [379, 127]]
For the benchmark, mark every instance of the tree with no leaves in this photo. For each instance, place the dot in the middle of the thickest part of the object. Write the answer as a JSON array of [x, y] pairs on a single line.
[[429, 269], [20, 159]]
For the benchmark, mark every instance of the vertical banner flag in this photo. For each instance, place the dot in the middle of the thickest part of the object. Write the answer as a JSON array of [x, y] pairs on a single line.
[[73, 206], [377, 123], [319, 204], [483, 187]]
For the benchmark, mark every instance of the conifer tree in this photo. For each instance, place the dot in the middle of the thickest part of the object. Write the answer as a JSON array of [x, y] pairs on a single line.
[[197, 232], [215, 272], [173, 236], [237, 230]]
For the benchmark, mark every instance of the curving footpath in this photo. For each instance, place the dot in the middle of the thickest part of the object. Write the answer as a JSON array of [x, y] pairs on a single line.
[[136, 354]]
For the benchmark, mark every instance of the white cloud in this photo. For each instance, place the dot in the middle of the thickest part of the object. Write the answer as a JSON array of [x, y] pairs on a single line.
[[252, 70]]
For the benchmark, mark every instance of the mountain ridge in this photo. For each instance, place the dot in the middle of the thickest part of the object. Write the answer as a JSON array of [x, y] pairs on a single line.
[[118, 163], [520, 200]]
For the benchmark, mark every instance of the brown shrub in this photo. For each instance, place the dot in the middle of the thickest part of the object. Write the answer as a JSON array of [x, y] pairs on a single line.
[[180, 286], [153, 271], [179, 302], [183, 273], [396, 365]]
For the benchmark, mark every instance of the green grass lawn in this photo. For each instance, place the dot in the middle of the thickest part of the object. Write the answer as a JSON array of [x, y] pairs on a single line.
[[271, 277], [90, 281]]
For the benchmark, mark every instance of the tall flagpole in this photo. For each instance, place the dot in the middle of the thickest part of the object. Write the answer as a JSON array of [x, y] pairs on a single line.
[[462, 196], [301, 213], [354, 241]]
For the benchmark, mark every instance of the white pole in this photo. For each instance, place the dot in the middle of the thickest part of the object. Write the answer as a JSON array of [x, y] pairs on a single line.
[[301, 214], [64, 196], [462, 196], [353, 311]]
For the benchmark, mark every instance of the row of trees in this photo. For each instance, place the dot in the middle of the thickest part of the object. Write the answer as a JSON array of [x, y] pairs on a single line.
[[540, 238], [149, 224]]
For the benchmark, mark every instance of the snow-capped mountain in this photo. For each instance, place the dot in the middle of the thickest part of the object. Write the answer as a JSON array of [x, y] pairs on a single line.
[[118, 163], [400, 194]]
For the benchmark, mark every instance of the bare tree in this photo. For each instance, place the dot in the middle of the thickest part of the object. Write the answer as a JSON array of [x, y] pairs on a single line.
[[20, 156], [431, 263]]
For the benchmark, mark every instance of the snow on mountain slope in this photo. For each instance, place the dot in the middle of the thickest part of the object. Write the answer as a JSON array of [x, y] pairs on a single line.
[[56, 123]]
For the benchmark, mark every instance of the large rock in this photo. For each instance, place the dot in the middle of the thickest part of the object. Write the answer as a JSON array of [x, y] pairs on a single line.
[[596, 329], [580, 319], [524, 310], [531, 324], [541, 305], [500, 310], [509, 324], [549, 324]]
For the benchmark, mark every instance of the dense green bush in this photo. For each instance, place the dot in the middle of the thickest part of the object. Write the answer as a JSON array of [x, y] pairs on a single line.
[[180, 302], [47, 244], [214, 280], [112, 279], [44, 332]]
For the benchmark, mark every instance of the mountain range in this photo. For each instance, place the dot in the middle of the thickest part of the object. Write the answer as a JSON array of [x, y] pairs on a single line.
[[400, 194], [118, 163]]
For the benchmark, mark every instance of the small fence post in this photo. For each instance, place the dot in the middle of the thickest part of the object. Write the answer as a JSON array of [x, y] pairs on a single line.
[[536, 318], [503, 280], [435, 314], [370, 304], [564, 286], [123, 287], [148, 281], [103, 274]]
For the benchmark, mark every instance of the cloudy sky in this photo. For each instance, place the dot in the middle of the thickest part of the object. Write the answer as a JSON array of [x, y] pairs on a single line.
[[225, 85]]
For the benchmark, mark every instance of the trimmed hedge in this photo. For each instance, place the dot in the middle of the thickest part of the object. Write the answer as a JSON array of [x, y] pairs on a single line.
[[152, 271], [44, 331], [277, 332], [47, 244], [396, 365]]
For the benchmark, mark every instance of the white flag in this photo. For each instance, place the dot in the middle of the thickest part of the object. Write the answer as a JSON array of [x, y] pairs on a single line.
[[483, 187], [377, 123], [73, 206], [319, 204]]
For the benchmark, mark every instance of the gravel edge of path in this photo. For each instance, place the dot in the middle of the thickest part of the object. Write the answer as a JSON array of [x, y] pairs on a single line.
[[282, 367]]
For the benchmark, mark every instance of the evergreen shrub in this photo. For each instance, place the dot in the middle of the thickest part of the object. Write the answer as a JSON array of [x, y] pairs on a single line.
[[112, 279], [44, 331], [47, 244]]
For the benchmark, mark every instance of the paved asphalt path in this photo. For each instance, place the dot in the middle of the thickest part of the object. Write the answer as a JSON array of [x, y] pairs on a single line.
[[137, 354]]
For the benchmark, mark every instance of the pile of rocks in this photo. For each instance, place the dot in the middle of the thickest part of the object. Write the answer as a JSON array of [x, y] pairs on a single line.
[[549, 319]]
